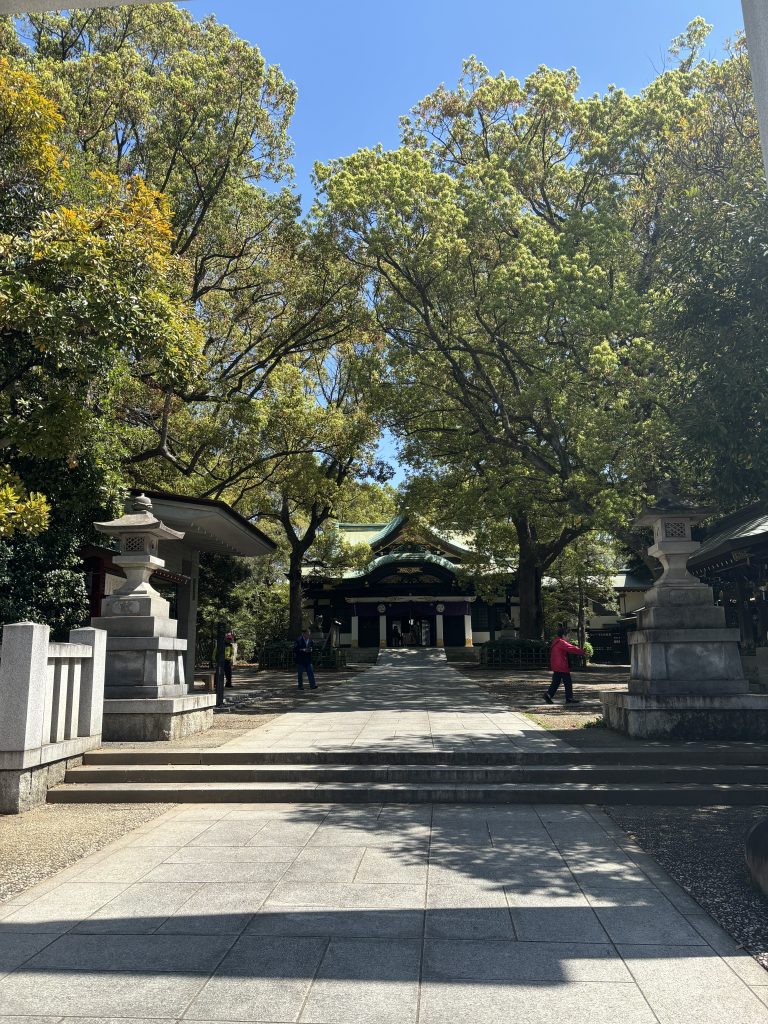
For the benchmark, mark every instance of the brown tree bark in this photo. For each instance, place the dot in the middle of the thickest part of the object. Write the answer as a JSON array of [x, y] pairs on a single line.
[[295, 594], [534, 558], [581, 622], [529, 590]]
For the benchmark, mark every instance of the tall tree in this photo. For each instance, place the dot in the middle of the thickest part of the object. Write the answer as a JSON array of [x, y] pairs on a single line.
[[501, 265], [90, 294], [701, 227], [200, 116], [327, 444]]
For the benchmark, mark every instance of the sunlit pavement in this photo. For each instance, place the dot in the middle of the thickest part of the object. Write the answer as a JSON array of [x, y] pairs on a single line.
[[412, 699]]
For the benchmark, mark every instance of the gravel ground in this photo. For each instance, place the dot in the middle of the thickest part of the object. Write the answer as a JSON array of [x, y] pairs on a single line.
[[702, 848], [37, 844], [522, 689]]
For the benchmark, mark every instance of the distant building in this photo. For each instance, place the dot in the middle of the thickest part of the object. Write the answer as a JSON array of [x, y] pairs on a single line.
[[411, 593]]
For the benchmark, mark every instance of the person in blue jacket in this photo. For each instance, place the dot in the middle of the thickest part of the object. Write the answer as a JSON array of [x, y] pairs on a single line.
[[302, 650]]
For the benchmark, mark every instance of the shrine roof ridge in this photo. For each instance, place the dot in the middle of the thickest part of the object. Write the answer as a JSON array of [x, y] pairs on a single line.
[[399, 557], [385, 530]]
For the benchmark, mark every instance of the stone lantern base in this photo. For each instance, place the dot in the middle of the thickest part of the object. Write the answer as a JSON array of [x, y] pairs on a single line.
[[161, 719], [687, 717], [686, 680]]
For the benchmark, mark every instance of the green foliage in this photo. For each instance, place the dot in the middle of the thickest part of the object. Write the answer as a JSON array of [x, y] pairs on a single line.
[[245, 595], [89, 298], [41, 577], [20, 512], [198, 114], [582, 573], [701, 220], [325, 431], [501, 262], [554, 302], [594, 723]]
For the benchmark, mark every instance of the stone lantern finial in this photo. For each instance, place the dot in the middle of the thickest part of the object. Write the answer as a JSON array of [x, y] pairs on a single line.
[[141, 503]]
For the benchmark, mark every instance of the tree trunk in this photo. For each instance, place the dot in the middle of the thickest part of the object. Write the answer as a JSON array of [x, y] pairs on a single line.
[[295, 594], [529, 590], [529, 575], [581, 628]]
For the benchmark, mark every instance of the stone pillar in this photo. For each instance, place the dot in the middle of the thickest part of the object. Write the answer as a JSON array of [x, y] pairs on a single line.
[[756, 25], [187, 611], [439, 631], [23, 675], [468, 630], [686, 680], [382, 629], [91, 680], [355, 631]]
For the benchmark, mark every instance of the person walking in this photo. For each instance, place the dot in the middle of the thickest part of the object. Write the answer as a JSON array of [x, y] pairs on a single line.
[[302, 650], [561, 670], [230, 654]]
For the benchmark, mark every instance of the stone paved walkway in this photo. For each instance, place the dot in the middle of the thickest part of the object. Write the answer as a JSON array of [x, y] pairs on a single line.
[[374, 914], [410, 700], [389, 915]]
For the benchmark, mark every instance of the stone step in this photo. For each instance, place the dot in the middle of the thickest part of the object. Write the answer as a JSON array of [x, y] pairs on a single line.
[[309, 792], [417, 774], [643, 754]]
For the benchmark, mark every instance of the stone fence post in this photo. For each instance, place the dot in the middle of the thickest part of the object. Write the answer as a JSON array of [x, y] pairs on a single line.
[[91, 680], [51, 707], [23, 672]]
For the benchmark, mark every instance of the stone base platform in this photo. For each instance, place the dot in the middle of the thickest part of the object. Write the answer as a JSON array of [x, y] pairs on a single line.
[[162, 719], [687, 717], [27, 775]]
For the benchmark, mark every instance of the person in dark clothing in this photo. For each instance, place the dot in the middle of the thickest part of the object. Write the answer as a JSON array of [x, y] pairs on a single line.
[[302, 650], [229, 657], [561, 670]]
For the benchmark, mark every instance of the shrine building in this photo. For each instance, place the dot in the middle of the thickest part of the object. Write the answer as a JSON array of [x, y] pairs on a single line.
[[411, 593]]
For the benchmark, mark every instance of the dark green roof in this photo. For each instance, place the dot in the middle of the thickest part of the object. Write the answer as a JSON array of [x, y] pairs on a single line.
[[744, 529], [407, 557]]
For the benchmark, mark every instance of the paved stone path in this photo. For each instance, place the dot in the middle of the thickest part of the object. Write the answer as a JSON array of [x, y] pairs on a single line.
[[410, 700], [372, 914]]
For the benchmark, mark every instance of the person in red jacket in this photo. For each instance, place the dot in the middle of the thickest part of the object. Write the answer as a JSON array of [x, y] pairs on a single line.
[[561, 670]]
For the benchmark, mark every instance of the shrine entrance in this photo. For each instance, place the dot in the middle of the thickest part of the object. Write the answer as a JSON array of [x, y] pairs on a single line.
[[405, 630]]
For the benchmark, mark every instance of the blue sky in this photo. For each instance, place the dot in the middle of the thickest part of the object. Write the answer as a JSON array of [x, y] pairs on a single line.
[[360, 64]]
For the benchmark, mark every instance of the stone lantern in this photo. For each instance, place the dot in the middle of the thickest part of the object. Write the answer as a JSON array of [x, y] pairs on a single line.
[[145, 657], [138, 534], [686, 678]]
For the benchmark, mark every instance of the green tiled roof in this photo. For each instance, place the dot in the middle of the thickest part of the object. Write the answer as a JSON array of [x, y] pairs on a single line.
[[398, 558]]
